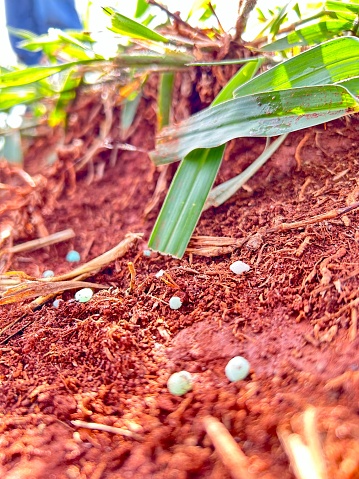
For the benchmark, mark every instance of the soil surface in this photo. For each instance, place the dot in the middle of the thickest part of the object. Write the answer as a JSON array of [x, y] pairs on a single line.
[[107, 361]]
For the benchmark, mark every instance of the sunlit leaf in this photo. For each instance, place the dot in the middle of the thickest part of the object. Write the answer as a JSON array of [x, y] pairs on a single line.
[[331, 62], [341, 6], [261, 16], [33, 74], [10, 97], [316, 33], [281, 18], [128, 27], [296, 8], [264, 114], [141, 8], [333, 20]]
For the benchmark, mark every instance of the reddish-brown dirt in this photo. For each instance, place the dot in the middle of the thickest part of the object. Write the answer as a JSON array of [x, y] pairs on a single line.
[[293, 316]]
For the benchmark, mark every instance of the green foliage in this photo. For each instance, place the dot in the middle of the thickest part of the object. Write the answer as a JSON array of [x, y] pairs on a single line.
[[286, 98], [334, 19], [268, 105], [190, 187], [141, 8], [311, 88], [131, 28], [269, 114]]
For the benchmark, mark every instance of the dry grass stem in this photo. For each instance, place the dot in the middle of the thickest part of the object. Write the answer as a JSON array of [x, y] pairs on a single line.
[[216, 246], [314, 219], [49, 287], [213, 245], [105, 428], [227, 449], [353, 328], [300, 456], [96, 264], [312, 439], [40, 242]]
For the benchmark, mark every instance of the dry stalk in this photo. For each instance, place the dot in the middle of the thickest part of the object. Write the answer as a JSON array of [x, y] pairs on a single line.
[[106, 428], [213, 245], [227, 449], [216, 246], [40, 242], [300, 456], [57, 284], [312, 439], [353, 328]]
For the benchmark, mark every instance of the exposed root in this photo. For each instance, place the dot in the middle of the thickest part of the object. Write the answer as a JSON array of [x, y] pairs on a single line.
[[299, 149]]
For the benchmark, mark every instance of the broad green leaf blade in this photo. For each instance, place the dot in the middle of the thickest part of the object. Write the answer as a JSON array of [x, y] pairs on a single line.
[[10, 97], [319, 32], [352, 85], [189, 189], [331, 62], [224, 191], [184, 201], [342, 6], [141, 8], [132, 29], [264, 114], [34, 74]]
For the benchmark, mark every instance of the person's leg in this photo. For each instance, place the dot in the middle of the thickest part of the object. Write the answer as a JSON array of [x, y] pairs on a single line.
[[37, 16], [20, 15], [60, 14]]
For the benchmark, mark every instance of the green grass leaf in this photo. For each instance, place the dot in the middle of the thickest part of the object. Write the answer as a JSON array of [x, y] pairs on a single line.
[[335, 18], [10, 97], [319, 32], [34, 74], [192, 182], [132, 29], [141, 8], [263, 114], [184, 201], [331, 62]]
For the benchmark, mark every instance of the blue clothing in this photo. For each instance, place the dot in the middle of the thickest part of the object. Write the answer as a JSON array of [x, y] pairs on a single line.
[[37, 16]]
